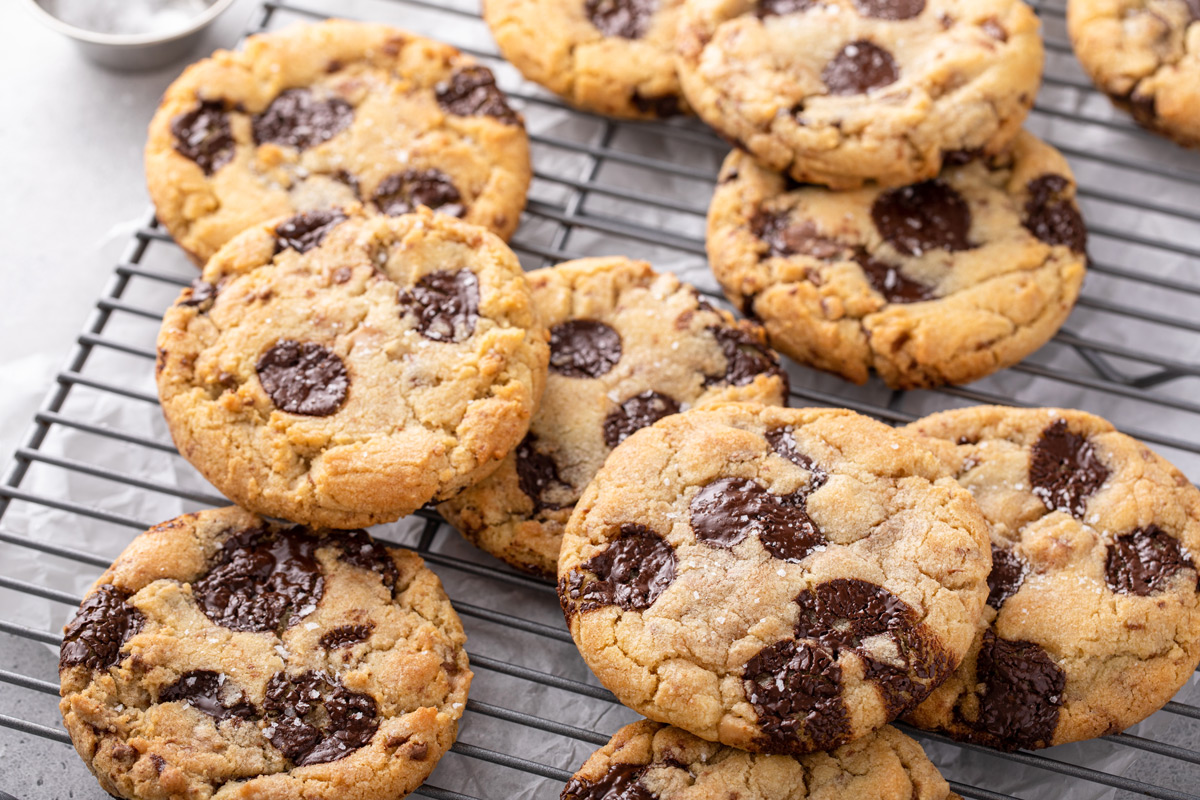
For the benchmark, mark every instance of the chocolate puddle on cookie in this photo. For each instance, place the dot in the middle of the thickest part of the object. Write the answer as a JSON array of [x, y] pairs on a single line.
[[1007, 575], [1064, 469], [303, 377], [726, 511], [860, 67], [211, 693], [537, 475], [619, 782], [796, 690], [584, 348], [745, 359], [625, 19], [631, 572], [1143, 561], [402, 192], [100, 628], [204, 136], [636, 413], [1022, 694], [472, 92], [445, 305], [315, 719], [297, 119], [925, 216], [307, 230], [1051, 216]]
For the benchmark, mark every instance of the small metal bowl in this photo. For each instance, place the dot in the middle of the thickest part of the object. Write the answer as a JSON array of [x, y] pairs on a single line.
[[133, 51]]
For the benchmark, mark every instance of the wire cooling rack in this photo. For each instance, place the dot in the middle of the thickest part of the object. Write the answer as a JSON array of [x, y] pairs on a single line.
[[98, 465]]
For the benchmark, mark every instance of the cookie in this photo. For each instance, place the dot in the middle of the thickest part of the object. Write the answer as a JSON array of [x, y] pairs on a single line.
[[627, 347], [1145, 54], [612, 57], [224, 656], [840, 92], [1093, 614], [778, 580], [647, 760], [323, 114], [944, 281], [342, 369]]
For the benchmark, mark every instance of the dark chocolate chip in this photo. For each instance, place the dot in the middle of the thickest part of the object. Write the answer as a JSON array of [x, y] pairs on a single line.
[[890, 9], [796, 690], [1143, 561], [631, 572], [783, 442], [202, 292], [537, 473], [295, 119], [305, 231], [472, 92], [1007, 575], [660, 105], [360, 550], [958, 158], [203, 135], [315, 719], [211, 693], [262, 581], [636, 413], [1064, 470], [583, 348], [303, 377], [100, 628], [924, 216], [402, 192], [775, 8], [626, 19], [1022, 694], [890, 282], [346, 177], [745, 358], [620, 782], [860, 67], [446, 305], [346, 635], [785, 239], [1053, 218], [725, 511]]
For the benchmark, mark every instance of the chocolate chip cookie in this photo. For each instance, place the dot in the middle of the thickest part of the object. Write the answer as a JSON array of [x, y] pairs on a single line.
[[342, 369], [627, 347], [320, 115], [651, 761], [1145, 54], [226, 656], [840, 92], [779, 580], [943, 281], [1093, 615], [612, 57]]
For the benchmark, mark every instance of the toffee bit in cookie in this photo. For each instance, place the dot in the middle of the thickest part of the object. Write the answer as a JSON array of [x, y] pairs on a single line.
[[860, 67], [631, 572], [890, 282], [636, 413], [925, 216], [626, 19], [774, 8], [796, 690], [745, 358], [620, 782], [100, 628], [211, 693], [1064, 470], [472, 92], [725, 511], [1143, 561], [445, 304], [346, 635], [314, 719], [783, 442], [537, 473], [360, 550], [1007, 575], [1052, 217], [305, 231], [303, 378], [660, 105], [1022, 694], [402, 192], [203, 135], [201, 293], [890, 9], [785, 239], [584, 348], [296, 119]]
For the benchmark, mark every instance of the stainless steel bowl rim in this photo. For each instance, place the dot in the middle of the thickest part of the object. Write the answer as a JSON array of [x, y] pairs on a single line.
[[123, 39]]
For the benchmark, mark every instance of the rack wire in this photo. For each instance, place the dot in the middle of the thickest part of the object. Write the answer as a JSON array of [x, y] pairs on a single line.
[[97, 465]]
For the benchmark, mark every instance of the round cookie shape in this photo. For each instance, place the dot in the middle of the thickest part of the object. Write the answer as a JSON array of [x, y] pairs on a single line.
[[650, 761], [841, 92], [321, 115], [628, 346], [1145, 54], [222, 655], [342, 369], [944, 281], [1093, 616], [845, 581], [612, 57]]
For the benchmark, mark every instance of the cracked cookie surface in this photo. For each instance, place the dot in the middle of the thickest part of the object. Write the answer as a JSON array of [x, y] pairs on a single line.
[[225, 656], [343, 369], [779, 580], [646, 760], [840, 92], [1145, 54], [944, 281], [324, 114], [628, 346], [1093, 614]]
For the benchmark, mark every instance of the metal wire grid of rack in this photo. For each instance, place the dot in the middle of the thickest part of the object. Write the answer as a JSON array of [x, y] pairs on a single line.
[[98, 460]]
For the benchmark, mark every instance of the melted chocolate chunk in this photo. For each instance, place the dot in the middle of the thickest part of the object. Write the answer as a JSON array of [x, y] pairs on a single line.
[[261, 581], [209, 692], [472, 92], [958, 158], [202, 292], [360, 550], [1007, 575], [745, 358], [860, 67], [777, 8], [796, 690], [303, 377], [1022, 695], [203, 135], [445, 303], [1054, 219], [631, 572], [785, 239], [636, 413], [1064, 470], [1143, 561], [627, 19], [725, 511], [536, 473], [620, 782], [922, 217], [402, 192], [890, 9], [783, 442], [305, 231], [295, 119], [346, 635], [100, 628], [890, 282], [660, 105], [583, 348], [315, 719]]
